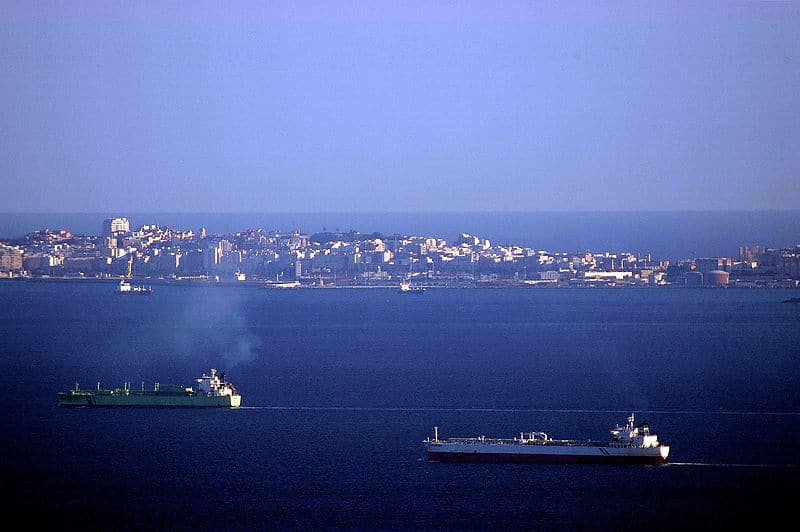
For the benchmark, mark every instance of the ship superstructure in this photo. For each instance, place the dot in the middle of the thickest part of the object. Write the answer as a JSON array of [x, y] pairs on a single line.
[[406, 288], [211, 391], [127, 288], [629, 444]]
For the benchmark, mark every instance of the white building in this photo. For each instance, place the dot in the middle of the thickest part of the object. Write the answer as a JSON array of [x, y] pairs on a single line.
[[114, 226]]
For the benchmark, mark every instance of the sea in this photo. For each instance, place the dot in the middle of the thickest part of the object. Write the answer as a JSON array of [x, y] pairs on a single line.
[[341, 386]]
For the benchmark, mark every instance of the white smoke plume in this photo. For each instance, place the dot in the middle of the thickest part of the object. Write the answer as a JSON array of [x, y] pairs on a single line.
[[213, 326]]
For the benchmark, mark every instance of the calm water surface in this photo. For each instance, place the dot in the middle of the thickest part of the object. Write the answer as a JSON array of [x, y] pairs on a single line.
[[341, 386]]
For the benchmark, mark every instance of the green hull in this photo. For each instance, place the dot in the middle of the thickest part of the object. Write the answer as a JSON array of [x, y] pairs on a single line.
[[146, 399]]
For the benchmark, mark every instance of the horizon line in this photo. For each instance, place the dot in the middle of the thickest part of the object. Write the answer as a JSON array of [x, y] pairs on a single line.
[[322, 213]]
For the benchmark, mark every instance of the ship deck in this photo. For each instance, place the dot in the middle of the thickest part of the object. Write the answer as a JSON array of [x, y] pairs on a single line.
[[123, 393], [514, 441]]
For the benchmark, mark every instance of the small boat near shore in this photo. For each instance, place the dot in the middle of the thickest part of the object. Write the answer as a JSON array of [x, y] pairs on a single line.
[[127, 288], [287, 284], [406, 288]]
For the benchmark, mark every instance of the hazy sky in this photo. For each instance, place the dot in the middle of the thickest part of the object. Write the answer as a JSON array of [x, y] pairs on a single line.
[[398, 106]]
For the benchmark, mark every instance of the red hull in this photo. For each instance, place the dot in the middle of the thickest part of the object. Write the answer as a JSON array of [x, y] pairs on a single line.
[[541, 458]]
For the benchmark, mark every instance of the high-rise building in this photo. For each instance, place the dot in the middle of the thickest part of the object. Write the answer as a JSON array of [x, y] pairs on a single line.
[[10, 258], [751, 253], [116, 226]]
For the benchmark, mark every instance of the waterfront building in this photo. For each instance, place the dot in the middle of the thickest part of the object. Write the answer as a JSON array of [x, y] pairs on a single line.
[[10, 258], [751, 254], [598, 275], [549, 275], [787, 261], [705, 265]]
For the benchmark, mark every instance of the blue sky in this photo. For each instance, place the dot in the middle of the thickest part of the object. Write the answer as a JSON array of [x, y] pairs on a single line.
[[398, 106]]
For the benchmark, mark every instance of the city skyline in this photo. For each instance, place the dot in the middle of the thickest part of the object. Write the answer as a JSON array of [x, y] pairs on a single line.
[[355, 258], [670, 235], [351, 108]]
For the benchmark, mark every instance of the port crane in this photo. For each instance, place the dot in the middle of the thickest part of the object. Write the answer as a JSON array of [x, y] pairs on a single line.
[[130, 267]]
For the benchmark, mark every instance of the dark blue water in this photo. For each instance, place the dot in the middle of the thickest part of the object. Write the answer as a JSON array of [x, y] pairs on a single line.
[[666, 235], [341, 385]]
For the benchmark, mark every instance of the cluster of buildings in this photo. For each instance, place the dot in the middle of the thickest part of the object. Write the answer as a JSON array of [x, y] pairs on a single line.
[[355, 259]]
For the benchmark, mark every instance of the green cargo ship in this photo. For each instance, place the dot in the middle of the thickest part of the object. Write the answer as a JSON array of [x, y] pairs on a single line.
[[212, 391]]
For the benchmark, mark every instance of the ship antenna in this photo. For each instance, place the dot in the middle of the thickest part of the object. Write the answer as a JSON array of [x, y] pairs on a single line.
[[436, 434]]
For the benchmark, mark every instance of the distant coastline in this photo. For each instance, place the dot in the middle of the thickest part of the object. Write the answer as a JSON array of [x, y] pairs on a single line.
[[391, 287], [189, 251], [671, 235]]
